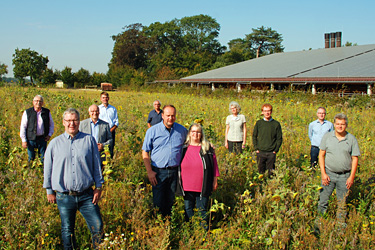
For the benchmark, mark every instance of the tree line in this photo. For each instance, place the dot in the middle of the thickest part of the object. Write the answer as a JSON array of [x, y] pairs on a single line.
[[163, 51]]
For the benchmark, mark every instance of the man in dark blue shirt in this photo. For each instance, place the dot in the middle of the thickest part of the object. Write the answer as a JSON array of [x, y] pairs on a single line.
[[155, 116], [163, 142]]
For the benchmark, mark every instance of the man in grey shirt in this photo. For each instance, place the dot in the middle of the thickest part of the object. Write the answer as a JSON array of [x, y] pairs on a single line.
[[338, 160], [71, 168]]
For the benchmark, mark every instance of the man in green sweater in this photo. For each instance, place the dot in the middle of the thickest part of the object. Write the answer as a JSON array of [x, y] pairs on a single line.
[[267, 140]]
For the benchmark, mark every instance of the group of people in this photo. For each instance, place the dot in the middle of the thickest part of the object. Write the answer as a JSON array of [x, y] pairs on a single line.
[[178, 160], [72, 161]]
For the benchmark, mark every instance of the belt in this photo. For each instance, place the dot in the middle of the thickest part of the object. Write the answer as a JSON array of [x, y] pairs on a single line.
[[314, 146], [343, 172], [75, 193], [169, 167]]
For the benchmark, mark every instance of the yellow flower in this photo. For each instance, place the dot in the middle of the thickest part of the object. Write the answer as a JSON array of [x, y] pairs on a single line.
[[105, 163], [260, 177], [276, 198]]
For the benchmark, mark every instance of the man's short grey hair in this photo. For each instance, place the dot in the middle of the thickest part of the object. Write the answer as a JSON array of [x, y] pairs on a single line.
[[93, 105], [236, 105], [321, 108], [71, 111], [41, 97], [156, 101], [341, 116]]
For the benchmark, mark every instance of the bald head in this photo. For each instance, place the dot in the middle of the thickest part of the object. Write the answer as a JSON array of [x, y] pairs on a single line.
[[94, 112]]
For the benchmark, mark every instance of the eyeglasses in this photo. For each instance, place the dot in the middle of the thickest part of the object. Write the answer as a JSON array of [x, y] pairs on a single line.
[[196, 132], [72, 121]]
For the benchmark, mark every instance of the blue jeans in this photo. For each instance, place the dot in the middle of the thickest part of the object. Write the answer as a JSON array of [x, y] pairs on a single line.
[[40, 144], [164, 192], [338, 181], [192, 200], [314, 153], [68, 206]]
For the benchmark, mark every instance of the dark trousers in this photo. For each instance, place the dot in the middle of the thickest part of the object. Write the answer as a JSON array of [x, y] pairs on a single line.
[[40, 144], [164, 192], [266, 161], [235, 147], [314, 153], [193, 200]]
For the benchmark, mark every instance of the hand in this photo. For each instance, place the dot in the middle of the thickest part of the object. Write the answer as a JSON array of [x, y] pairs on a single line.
[[24, 144], [51, 198], [214, 186], [243, 145], [97, 194], [47, 138], [349, 182], [325, 179], [257, 151], [274, 152], [100, 146], [152, 178], [226, 144]]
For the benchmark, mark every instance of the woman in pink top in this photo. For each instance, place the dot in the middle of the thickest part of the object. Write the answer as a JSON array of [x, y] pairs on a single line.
[[198, 172]]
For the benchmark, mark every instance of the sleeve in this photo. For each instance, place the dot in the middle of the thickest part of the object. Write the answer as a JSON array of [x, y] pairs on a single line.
[[48, 164], [115, 120], [216, 167], [323, 143], [310, 132], [108, 135], [97, 169], [355, 148], [331, 129], [243, 119], [227, 120], [149, 119], [279, 138], [147, 143], [255, 136], [51, 125], [23, 127]]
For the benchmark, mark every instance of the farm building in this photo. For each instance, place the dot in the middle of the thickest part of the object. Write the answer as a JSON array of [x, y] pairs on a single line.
[[105, 86], [59, 84], [334, 68]]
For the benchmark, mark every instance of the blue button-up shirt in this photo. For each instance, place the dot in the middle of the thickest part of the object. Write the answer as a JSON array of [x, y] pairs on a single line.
[[72, 164], [108, 114], [317, 130], [165, 146], [95, 129]]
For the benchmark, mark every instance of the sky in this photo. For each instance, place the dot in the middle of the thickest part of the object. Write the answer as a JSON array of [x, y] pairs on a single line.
[[77, 33]]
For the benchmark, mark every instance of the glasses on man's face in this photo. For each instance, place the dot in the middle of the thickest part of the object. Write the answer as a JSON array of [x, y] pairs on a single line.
[[38, 101], [72, 121], [319, 113]]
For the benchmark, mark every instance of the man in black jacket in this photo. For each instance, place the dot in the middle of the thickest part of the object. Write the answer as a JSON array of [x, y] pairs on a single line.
[[36, 129]]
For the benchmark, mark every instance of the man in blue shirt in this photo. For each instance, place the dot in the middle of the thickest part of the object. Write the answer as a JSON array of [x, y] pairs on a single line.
[[317, 129], [71, 169], [154, 116], [108, 113], [164, 142]]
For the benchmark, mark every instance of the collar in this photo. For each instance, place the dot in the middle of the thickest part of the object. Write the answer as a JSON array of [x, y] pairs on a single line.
[[270, 120]]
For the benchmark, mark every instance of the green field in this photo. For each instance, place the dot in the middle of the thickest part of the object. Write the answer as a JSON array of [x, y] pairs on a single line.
[[248, 211]]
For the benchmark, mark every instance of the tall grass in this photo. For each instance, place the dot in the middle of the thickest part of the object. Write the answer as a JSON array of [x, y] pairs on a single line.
[[248, 210]]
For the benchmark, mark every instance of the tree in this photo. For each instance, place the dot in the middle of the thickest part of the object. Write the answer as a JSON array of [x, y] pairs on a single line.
[[98, 78], [349, 44], [3, 70], [28, 63], [82, 77], [131, 47], [49, 77], [67, 76], [265, 41]]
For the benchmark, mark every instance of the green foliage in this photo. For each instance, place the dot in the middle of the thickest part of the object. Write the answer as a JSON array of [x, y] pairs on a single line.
[[249, 210], [82, 77], [28, 63], [265, 41], [67, 76], [3, 69]]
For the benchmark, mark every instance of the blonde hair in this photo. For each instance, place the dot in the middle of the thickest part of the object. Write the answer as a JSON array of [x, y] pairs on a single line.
[[205, 145]]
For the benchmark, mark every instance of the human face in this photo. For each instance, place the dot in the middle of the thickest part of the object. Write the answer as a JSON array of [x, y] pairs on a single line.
[[234, 110], [267, 112], [169, 116], [195, 134], [321, 114], [104, 99], [340, 126], [157, 106], [37, 103], [71, 124], [94, 112]]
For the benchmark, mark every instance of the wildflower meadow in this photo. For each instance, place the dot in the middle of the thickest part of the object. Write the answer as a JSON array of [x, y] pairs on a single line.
[[248, 210]]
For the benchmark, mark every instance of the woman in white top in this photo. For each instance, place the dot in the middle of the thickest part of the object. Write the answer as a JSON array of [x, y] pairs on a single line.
[[235, 132]]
